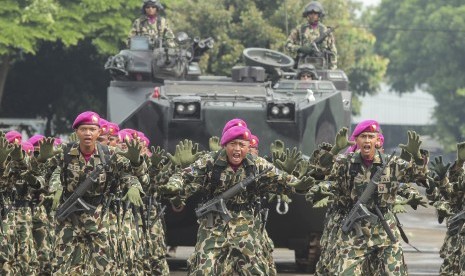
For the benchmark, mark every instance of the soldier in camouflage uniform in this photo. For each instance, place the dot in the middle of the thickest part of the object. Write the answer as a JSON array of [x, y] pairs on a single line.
[[152, 25], [349, 175], [446, 193], [212, 174], [301, 38], [82, 245]]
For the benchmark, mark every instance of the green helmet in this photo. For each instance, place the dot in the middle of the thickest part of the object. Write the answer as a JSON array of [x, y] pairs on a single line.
[[155, 3], [314, 6], [306, 68]]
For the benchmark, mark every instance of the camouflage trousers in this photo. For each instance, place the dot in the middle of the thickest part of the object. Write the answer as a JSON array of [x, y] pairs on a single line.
[[386, 260], [329, 243], [7, 250], [450, 253], [123, 240], [82, 247], [42, 234], [26, 254], [157, 250], [234, 242]]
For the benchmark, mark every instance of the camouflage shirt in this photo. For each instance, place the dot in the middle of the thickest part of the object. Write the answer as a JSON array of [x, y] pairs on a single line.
[[78, 169], [198, 178], [143, 27]]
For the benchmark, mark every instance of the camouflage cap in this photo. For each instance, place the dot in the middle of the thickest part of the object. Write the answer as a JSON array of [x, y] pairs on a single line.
[[87, 118]]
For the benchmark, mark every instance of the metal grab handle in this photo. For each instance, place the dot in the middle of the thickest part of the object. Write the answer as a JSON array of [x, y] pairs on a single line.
[[278, 207]]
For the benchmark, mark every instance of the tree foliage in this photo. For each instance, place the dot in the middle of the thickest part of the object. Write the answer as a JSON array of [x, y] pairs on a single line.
[[64, 30], [423, 40]]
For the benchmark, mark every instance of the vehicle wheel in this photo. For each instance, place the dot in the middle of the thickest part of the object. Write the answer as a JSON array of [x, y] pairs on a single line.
[[306, 259], [325, 133]]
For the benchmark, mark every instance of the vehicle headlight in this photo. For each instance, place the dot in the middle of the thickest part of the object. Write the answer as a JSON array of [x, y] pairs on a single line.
[[119, 61], [275, 110], [187, 110], [281, 112], [191, 108], [286, 110], [180, 108]]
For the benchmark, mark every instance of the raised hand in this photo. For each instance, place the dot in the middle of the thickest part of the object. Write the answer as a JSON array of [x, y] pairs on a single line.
[[158, 156], [414, 200], [214, 143], [185, 154], [133, 151], [323, 202], [439, 168], [277, 146], [341, 141], [304, 184], [291, 159], [5, 148], [413, 146], [17, 154], [47, 149], [461, 152], [133, 196]]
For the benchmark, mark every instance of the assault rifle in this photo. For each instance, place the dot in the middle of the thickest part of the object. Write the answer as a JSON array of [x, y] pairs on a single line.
[[454, 224], [360, 211], [75, 203], [314, 44], [218, 205]]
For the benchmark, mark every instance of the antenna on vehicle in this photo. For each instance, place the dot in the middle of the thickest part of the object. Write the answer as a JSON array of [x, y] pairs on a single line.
[[286, 20]]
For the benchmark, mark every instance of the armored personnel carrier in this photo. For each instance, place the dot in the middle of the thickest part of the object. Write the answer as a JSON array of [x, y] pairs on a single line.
[[264, 92]]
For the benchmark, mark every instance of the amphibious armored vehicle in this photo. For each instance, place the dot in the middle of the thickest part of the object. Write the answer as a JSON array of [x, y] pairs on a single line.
[[264, 92]]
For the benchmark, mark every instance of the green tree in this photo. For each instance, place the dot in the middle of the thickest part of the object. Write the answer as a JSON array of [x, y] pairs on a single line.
[[423, 40]]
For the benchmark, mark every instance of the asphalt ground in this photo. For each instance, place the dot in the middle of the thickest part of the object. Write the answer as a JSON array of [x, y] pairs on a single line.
[[421, 227]]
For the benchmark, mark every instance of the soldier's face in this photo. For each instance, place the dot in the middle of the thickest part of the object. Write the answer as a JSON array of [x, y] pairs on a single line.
[[150, 10], [113, 141], [366, 142], [236, 150], [88, 134], [313, 16]]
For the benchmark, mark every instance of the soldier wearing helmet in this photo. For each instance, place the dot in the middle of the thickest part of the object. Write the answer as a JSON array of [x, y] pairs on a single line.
[[306, 72], [301, 38], [151, 24]]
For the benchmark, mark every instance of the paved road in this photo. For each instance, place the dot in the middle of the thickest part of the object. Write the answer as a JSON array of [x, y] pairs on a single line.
[[421, 227]]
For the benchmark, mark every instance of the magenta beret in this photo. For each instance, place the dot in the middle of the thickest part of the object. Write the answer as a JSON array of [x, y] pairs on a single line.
[[145, 140], [35, 139], [58, 141], [13, 135], [233, 122], [86, 118], [113, 129], [235, 132], [104, 126], [363, 126], [254, 141], [27, 147], [124, 135]]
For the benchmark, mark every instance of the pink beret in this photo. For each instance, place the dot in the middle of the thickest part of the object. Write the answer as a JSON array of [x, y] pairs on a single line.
[[35, 139], [381, 139], [235, 132], [133, 133], [13, 135], [364, 126], [86, 118], [27, 147], [104, 126], [113, 129], [145, 140], [254, 141], [58, 141], [124, 135], [232, 123]]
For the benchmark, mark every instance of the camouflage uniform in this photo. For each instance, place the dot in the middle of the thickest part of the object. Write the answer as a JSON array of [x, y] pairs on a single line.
[[304, 34], [143, 27], [354, 253], [236, 241], [84, 248]]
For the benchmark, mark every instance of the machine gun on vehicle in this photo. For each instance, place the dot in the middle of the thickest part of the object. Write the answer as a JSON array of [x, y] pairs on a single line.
[[318, 58], [217, 204], [360, 211], [147, 60]]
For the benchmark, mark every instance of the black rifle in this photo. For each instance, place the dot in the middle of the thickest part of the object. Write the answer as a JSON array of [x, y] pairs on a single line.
[[314, 43], [455, 223], [360, 211], [75, 203], [217, 204]]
